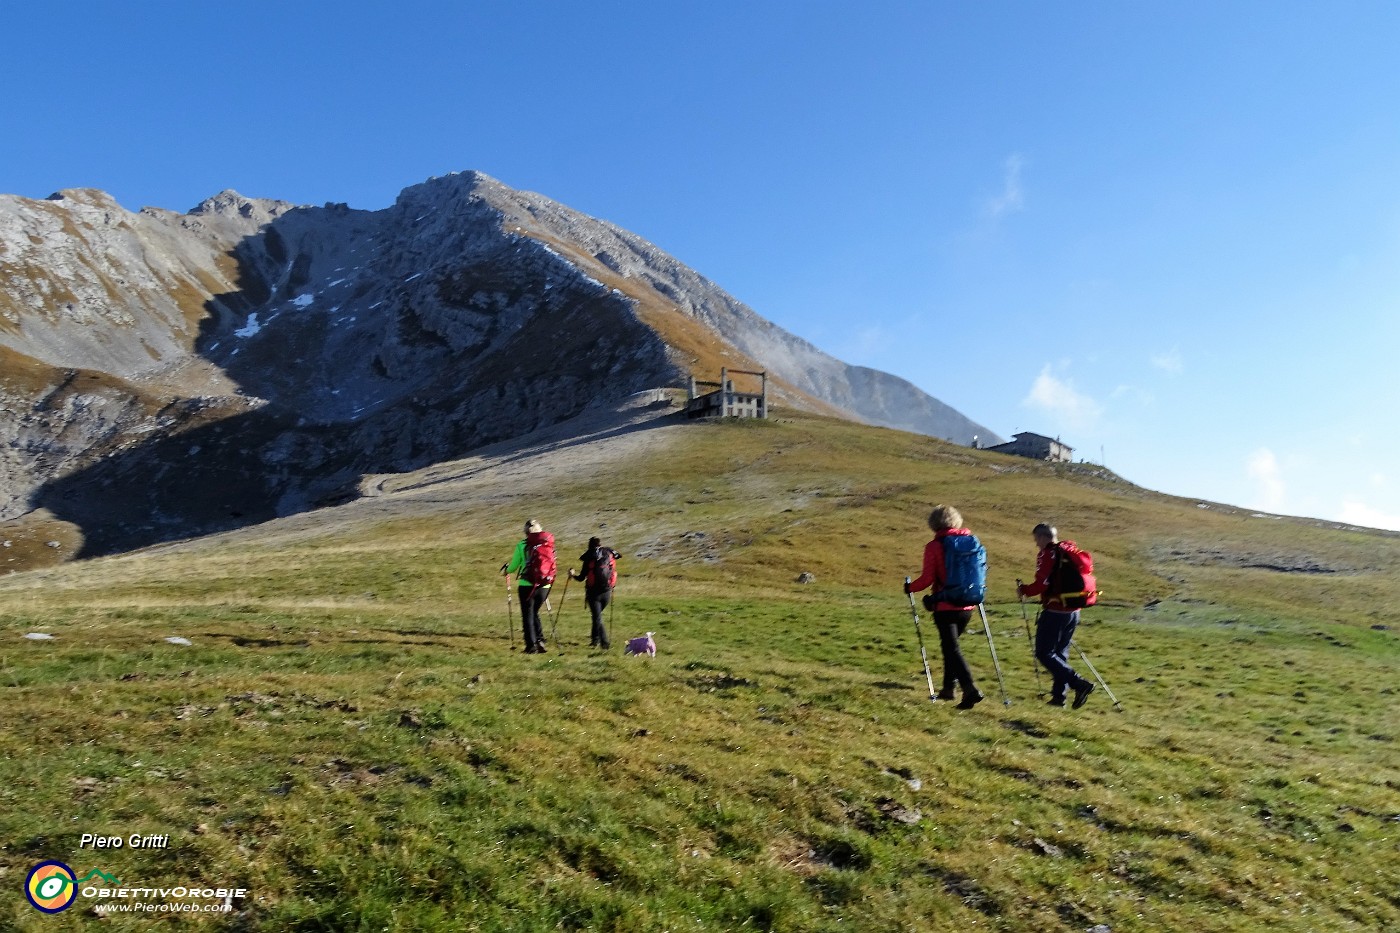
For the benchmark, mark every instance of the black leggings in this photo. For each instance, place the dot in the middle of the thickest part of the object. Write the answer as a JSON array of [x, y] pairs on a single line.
[[531, 602], [951, 624], [598, 601]]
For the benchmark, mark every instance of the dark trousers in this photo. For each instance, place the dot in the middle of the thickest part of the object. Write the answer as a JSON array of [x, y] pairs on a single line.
[[531, 601], [598, 601], [951, 624], [1053, 633]]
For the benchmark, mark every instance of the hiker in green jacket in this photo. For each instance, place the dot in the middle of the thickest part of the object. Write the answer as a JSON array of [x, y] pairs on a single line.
[[533, 566]]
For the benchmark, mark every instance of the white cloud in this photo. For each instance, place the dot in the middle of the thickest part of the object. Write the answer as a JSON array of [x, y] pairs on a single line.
[[1168, 361], [1012, 197], [1133, 394], [1058, 397], [1359, 513], [1263, 468]]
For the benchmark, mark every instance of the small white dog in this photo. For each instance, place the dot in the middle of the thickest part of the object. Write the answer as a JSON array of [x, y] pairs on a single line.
[[642, 644]]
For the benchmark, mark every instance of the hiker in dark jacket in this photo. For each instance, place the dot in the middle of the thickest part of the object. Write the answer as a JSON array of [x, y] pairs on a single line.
[[950, 618], [1056, 624], [532, 595], [599, 575]]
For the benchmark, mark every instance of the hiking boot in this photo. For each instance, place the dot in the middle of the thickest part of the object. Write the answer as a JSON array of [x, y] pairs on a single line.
[[1055, 701], [944, 695], [970, 700], [1081, 694]]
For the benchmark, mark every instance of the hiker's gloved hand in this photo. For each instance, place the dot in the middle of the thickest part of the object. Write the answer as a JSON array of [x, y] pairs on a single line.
[[906, 588], [1020, 590], [503, 569]]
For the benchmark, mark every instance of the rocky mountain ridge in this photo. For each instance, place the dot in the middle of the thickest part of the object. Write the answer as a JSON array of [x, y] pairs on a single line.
[[166, 374]]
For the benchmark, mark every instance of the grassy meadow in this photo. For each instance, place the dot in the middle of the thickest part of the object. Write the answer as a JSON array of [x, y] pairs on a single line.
[[354, 737]]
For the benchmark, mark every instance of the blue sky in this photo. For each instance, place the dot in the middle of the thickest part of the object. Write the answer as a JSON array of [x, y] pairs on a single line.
[[1167, 232]]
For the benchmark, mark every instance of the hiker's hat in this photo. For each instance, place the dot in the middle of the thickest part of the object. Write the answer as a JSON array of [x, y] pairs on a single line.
[[532, 526]]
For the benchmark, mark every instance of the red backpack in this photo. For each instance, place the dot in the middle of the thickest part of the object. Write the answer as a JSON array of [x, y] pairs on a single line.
[[539, 558], [1072, 583]]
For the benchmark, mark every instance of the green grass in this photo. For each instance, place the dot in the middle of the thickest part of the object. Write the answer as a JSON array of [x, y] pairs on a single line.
[[351, 737]]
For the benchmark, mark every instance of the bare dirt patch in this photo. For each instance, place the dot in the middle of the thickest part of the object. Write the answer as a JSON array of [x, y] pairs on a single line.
[[1243, 559]]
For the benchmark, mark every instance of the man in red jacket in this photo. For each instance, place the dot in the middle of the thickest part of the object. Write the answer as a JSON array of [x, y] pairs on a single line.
[[1056, 624], [950, 618]]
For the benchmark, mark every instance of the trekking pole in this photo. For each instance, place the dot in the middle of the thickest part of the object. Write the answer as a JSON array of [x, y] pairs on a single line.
[[1035, 662], [510, 621], [987, 627], [554, 630], [612, 604], [1116, 705], [932, 697]]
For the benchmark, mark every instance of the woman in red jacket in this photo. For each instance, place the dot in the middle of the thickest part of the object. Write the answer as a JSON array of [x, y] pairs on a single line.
[[950, 618]]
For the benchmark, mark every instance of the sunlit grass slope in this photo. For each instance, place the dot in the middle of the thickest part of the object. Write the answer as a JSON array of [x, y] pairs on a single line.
[[351, 737]]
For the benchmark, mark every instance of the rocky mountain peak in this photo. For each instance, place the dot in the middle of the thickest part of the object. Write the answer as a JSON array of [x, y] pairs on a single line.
[[85, 197], [229, 203], [169, 374]]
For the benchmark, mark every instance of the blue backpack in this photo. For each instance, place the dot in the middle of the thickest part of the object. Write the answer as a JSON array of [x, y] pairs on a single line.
[[965, 571]]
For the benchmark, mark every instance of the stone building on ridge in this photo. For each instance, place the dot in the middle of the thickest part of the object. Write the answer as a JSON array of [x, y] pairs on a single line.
[[724, 401], [1036, 447]]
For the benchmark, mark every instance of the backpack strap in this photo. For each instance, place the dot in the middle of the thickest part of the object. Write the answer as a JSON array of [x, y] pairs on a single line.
[[1052, 586], [942, 565]]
